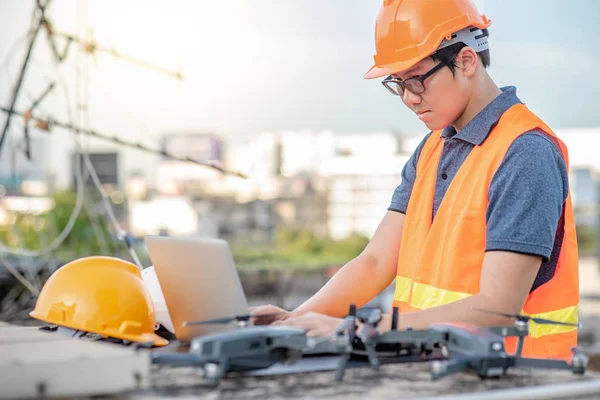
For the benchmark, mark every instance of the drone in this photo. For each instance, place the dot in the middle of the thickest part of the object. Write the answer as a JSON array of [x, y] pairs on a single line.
[[253, 347], [467, 346], [451, 347], [258, 347], [481, 349], [394, 346]]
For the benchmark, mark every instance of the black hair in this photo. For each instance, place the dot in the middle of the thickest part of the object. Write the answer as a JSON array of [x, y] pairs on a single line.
[[447, 55]]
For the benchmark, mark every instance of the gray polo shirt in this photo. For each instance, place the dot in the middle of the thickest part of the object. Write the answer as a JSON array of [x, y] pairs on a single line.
[[526, 195]]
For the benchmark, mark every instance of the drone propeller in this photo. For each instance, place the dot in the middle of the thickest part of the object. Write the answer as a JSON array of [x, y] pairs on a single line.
[[522, 317], [226, 320]]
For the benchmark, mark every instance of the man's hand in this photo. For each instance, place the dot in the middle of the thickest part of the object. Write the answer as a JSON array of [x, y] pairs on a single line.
[[271, 314], [315, 324]]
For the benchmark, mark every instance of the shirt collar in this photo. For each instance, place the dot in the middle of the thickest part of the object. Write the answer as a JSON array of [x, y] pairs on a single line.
[[478, 129]]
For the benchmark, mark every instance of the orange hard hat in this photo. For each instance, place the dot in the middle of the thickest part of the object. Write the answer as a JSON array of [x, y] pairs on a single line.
[[102, 295], [408, 31]]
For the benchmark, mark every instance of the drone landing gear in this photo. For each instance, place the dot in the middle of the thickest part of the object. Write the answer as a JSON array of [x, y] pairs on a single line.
[[577, 366], [497, 366], [339, 373], [486, 367], [372, 355], [440, 369]]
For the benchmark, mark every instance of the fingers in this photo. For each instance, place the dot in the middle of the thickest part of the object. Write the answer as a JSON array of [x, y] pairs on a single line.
[[311, 326], [265, 315], [268, 309], [298, 322], [264, 320], [314, 324]]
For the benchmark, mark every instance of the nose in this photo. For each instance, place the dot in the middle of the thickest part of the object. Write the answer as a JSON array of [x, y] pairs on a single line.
[[409, 98]]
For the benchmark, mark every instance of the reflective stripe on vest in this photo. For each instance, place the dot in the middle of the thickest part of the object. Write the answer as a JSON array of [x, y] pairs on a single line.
[[426, 296]]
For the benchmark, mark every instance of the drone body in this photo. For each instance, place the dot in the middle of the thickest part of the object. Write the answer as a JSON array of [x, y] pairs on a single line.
[[468, 339], [240, 350]]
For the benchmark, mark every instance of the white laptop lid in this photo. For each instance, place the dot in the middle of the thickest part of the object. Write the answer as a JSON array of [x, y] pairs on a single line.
[[199, 281]]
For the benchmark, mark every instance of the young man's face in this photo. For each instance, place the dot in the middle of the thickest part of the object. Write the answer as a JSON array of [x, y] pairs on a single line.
[[444, 99]]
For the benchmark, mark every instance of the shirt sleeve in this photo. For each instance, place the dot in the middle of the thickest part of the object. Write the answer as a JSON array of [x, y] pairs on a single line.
[[526, 197], [401, 195]]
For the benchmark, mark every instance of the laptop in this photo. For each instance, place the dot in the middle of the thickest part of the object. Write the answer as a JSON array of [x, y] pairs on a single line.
[[199, 281]]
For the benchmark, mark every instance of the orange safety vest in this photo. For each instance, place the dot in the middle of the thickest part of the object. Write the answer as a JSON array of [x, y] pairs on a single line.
[[440, 262]]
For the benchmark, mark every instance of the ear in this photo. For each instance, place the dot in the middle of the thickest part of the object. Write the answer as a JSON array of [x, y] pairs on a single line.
[[466, 61]]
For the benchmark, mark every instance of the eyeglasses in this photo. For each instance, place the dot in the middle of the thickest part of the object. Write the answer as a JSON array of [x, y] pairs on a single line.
[[414, 85]]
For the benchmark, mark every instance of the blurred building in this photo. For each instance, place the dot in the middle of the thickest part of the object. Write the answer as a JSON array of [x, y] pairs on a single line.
[[175, 176], [172, 215], [106, 165], [16, 168], [329, 184], [584, 173], [351, 176], [302, 207], [362, 173]]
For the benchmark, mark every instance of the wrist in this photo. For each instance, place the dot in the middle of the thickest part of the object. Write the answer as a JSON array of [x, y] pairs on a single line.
[[298, 311]]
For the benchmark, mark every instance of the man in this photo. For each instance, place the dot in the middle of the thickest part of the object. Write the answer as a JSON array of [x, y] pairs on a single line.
[[483, 216]]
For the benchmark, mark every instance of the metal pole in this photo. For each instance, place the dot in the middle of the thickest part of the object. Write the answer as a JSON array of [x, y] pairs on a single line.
[[28, 113], [13, 170], [17, 87]]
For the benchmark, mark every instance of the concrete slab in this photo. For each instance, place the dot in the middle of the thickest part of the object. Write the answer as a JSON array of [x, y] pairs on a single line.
[[34, 363], [19, 334], [392, 381]]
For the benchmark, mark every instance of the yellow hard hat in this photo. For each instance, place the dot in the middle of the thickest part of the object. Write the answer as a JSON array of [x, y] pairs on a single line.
[[102, 295]]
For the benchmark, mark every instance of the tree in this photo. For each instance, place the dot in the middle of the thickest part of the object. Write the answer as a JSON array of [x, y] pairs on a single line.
[[89, 236]]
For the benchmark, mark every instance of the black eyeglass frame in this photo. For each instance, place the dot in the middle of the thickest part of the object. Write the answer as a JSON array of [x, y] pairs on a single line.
[[417, 88]]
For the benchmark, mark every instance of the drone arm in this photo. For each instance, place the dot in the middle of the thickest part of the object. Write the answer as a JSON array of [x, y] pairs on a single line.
[[179, 359], [542, 363]]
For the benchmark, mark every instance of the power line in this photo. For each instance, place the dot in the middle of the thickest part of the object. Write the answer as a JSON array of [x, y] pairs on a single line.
[[91, 46], [46, 124], [88, 46]]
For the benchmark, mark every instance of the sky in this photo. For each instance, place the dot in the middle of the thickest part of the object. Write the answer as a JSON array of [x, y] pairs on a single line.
[[253, 66]]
